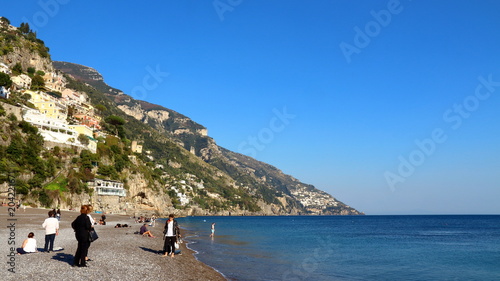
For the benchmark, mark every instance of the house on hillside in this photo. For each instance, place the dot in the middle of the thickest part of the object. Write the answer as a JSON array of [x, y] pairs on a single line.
[[4, 93], [107, 187], [4, 68], [89, 133], [53, 81], [88, 120], [73, 97], [55, 130], [135, 147], [48, 105], [22, 81], [53, 109]]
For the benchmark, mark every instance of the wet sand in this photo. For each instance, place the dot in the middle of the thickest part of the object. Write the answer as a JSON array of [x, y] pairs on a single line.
[[118, 254]]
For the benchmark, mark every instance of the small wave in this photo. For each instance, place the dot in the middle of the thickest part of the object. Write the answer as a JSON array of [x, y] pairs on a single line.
[[442, 233]]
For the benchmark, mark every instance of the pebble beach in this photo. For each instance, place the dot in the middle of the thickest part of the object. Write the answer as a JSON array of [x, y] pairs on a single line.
[[118, 254]]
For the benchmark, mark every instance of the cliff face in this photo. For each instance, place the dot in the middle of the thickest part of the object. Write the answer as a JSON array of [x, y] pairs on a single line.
[[23, 48], [27, 58], [281, 194]]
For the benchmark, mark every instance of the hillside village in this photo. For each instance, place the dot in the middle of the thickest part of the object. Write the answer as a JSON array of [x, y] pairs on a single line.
[[63, 116]]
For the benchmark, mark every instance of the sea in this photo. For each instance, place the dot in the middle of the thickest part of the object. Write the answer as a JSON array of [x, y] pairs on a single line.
[[430, 247]]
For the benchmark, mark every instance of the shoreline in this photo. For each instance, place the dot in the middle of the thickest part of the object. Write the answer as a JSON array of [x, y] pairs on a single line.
[[118, 254], [195, 255]]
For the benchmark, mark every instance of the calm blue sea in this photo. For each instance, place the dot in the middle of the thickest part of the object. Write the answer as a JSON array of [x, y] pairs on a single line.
[[349, 247]]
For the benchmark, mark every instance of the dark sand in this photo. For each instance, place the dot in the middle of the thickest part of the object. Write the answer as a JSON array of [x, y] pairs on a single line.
[[118, 254]]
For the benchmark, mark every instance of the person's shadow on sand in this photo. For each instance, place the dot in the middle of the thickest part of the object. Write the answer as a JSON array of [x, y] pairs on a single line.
[[64, 258], [160, 252], [151, 250]]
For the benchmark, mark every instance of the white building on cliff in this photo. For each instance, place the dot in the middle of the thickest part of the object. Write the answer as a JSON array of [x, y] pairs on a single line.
[[107, 187]]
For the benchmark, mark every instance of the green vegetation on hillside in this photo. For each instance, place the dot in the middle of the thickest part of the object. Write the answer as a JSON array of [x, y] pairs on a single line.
[[10, 39]]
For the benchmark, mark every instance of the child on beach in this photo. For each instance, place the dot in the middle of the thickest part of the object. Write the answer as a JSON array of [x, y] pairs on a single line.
[[29, 245]]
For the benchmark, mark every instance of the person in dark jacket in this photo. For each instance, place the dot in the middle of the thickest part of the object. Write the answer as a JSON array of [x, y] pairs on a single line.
[[81, 225], [171, 232]]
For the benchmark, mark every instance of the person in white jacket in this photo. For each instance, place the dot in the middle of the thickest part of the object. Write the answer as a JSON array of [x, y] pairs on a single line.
[[51, 225], [29, 245]]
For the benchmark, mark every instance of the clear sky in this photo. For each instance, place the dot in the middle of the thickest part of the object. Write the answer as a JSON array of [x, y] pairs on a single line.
[[390, 106]]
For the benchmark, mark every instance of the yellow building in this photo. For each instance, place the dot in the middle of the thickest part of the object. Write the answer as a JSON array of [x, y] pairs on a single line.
[[82, 129], [52, 109], [36, 96], [136, 147], [86, 131], [48, 105]]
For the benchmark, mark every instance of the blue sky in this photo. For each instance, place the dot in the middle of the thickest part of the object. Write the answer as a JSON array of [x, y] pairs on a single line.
[[390, 106]]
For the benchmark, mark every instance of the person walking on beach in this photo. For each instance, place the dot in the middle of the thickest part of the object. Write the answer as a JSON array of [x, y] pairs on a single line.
[[51, 225], [212, 229], [171, 232], [82, 226]]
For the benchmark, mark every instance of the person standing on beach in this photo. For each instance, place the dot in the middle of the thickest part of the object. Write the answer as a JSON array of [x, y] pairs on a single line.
[[171, 233], [212, 229], [51, 225], [153, 221], [90, 209], [82, 226]]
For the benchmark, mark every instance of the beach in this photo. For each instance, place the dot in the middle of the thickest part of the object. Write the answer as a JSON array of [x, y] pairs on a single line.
[[118, 254]]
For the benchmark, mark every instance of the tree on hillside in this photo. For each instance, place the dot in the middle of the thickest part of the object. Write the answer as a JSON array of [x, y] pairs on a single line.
[[31, 71], [4, 21], [101, 107], [115, 120], [17, 69], [37, 82], [83, 139], [5, 80], [25, 28]]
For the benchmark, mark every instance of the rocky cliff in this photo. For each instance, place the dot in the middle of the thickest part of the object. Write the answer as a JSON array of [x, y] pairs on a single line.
[[26, 50]]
